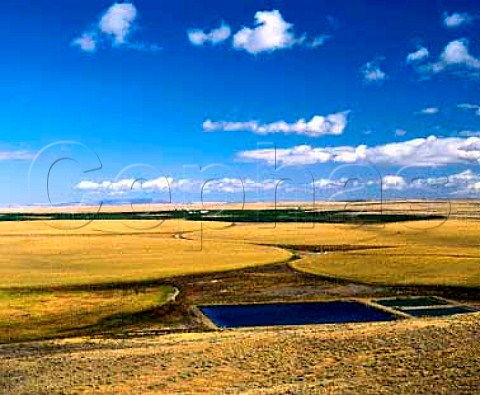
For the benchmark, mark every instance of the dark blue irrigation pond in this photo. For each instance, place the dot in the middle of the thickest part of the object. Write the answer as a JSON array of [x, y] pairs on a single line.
[[236, 316]]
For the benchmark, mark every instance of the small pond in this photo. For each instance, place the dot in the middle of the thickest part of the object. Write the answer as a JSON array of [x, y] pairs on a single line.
[[412, 302], [427, 306], [235, 316], [439, 311]]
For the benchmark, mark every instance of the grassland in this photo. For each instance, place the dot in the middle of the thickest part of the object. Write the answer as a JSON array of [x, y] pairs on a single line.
[[48, 314], [62, 278], [435, 252], [44, 262], [35, 254], [397, 266], [425, 254], [434, 357]]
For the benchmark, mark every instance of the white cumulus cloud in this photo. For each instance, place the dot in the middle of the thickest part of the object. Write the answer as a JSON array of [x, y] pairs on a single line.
[[465, 183], [114, 187], [118, 21], [271, 32], [333, 124], [116, 26], [190, 185], [456, 19], [420, 54], [394, 182], [372, 73], [86, 42], [215, 36], [455, 57]]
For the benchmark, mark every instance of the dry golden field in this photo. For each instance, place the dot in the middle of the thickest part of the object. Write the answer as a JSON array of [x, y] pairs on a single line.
[[447, 255], [47, 270], [412, 253], [114, 278], [52, 255], [37, 254], [431, 357], [33, 315]]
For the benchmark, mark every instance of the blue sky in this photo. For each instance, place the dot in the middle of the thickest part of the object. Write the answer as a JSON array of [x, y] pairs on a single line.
[[189, 91]]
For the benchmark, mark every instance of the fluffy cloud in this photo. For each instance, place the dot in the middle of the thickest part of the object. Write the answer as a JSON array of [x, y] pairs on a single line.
[[86, 42], [199, 37], [118, 20], [463, 184], [372, 73], [431, 151], [271, 32], [299, 155], [333, 124], [420, 54], [394, 182], [115, 25], [466, 177], [455, 57], [400, 132], [88, 185], [456, 19], [225, 185], [113, 187], [190, 185], [474, 188], [429, 111]]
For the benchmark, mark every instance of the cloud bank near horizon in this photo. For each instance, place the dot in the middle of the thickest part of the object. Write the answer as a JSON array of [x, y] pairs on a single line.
[[420, 152]]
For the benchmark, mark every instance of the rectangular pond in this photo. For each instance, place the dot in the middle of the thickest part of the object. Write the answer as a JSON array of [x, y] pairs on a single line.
[[412, 302], [439, 311], [236, 316]]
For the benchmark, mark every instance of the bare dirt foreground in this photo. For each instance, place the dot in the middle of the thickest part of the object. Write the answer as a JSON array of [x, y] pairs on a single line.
[[427, 356]]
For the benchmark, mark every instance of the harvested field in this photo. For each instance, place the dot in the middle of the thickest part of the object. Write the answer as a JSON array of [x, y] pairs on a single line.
[[443, 255], [36, 255]]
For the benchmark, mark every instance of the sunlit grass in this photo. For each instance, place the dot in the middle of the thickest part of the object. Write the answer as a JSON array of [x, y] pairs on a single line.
[[395, 267], [39, 315], [36, 257], [67, 258]]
